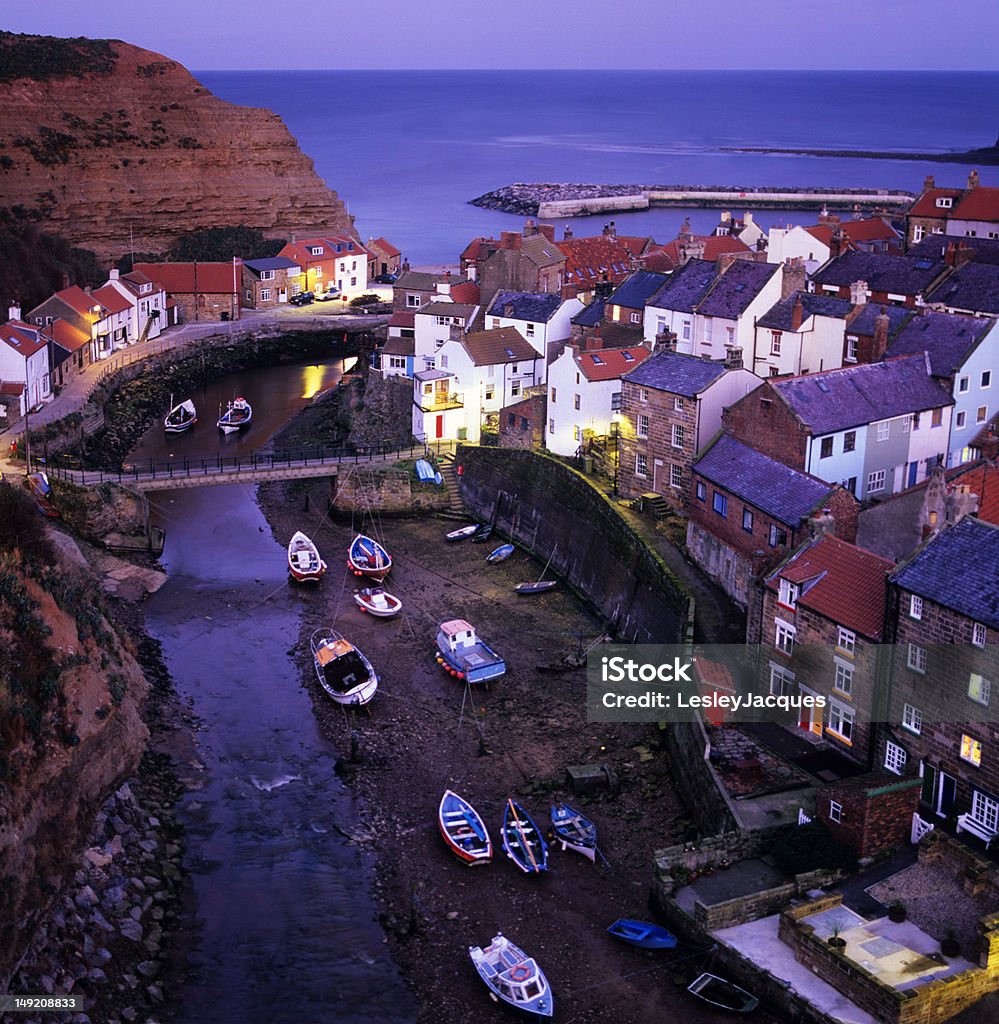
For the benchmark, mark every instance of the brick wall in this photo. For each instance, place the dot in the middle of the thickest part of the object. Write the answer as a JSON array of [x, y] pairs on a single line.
[[760, 904], [206, 306], [764, 422], [876, 818], [523, 425]]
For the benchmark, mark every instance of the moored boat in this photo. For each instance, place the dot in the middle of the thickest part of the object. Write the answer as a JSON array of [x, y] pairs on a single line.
[[538, 587], [463, 830], [304, 562], [238, 414], [366, 557], [41, 491], [523, 841], [574, 831], [461, 533], [643, 934], [513, 977], [377, 602], [723, 994], [500, 554], [482, 533], [464, 655], [181, 417], [343, 671]]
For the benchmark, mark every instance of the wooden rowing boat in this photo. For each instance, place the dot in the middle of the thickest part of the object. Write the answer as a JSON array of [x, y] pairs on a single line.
[[463, 830], [304, 563], [377, 602], [366, 557], [643, 934], [723, 994], [522, 840], [574, 831]]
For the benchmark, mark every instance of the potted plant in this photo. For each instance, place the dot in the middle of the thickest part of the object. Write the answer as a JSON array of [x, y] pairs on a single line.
[[834, 939], [950, 947], [896, 911]]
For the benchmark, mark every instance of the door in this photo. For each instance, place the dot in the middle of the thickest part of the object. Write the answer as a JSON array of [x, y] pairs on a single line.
[[928, 793], [439, 426], [946, 794], [913, 467], [810, 719]]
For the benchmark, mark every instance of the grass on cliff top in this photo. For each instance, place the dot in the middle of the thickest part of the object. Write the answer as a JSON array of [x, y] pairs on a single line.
[[43, 57]]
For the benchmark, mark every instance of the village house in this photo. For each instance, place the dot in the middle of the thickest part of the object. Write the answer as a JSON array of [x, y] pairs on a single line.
[[818, 243], [268, 282], [543, 318], [749, 510], [69, 317], [112, 329], [584, 394], [945, 602], [338, 263], [969, 212], [595, 263], [971, 288], [622, 322], [415, 289], [149, 301], [745, 229], [671, 407], [534, 264], [24, 362], [875, 428], [384, 259], [396, 357], [688, 246], [821, 627], [436, 322], [957, 249], [802, 333], [522, 425], [200, 291], [879, 278], [870, 329]]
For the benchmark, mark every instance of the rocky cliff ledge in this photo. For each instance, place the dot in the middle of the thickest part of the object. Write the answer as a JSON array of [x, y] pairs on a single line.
[[102, 137]]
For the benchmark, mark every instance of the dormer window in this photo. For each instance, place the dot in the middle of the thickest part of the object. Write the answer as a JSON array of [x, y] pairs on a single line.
[[316, 250], [788, 593], [945, 202]]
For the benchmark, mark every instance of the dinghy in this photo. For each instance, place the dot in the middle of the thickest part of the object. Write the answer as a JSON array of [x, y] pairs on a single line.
[[304, 563], [366, 557], [540, 587], [513, 977], [461, 533], [482, 533], [343, 672], [574, 831], [522, 840], [642, 934], [500, 554], [377, 602], [463, 830], [181, 417], [723, 994], [238, 414]]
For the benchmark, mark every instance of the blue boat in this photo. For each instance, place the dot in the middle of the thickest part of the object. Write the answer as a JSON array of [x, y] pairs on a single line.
[[514, 978], [366, 557], [463, 830], [500, 554], [464, 655], [574, 831], [642, 934], [522, 840]]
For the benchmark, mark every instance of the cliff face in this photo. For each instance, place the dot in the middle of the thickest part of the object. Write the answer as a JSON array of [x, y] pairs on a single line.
[[131, 141]]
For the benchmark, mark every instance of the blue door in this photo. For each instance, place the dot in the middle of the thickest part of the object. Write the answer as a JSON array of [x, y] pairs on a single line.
[[913, 466]]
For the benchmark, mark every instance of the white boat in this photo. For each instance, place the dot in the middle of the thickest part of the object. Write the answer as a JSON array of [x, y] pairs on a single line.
[[304, 562], [181, 417], [513, 977], [377, 602], [238, 414], [343, 671]]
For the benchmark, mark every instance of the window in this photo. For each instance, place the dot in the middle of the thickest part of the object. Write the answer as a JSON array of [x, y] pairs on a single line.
[[884, 426], [787, 593], [915, 607], [747, 520], [835, 811], [685, 330], [554, 395], [777, 536], [982, 415], [979, 688], [826, 449], [846, 640], [576, 434], [876, 481], [916, 658], [397, 362], [576, 401], [915, 421], [775, 343], [616, 401], [641, 465], [960, 420], [851, 350], [636, 318], [551, 426], [985, 809], [677, 404], [936, 418], [413, 302], [677, 435], [643, 426], [729, 335], [918, 232], [850, 441], [781, 680], [971, 750], [675, 475], [266, 275], [720, 504], [515, 388], [249, 294], [962, 384], [986, 379], [708, 328], [496, 323], [701, 491], [912, 719], [841, 719], [844, 677], [530, 330], [895, 757], [906, 423], [978, 634], [643, 394], [784, 636], [265, 294], [490, 391], [316, 250], [945, 202]]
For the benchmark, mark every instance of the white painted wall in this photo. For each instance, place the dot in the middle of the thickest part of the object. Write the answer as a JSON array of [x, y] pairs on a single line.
[[725, 391], [984, 359], [566, 423]]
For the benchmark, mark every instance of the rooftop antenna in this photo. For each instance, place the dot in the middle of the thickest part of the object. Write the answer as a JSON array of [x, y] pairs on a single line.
[[131, 247]]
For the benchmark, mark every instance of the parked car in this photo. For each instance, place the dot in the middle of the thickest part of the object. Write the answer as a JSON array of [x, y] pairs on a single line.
[[302, 299], [333, 293], [386, 279]]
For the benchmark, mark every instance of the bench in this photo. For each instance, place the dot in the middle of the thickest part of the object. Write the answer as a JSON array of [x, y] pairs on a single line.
[[966, 823]]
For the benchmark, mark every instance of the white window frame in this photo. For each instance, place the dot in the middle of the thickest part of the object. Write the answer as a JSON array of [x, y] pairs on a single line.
[[912, 719], [883, 429], [978, 634], [781, 680], [787, 593], [643, 394], [979, 688], [851, 350], [985, 810], [960, 420], [642, 426], [843, 681], [915, 659], [675, 476], [265, 294], [915, 607], [895, 757], [970, 750], [963, 384], [835, 811], [641, 465], [846, 640], [784, 634], [842, 720], [876, 481], [266, 275], [677, 435], [677, 404]]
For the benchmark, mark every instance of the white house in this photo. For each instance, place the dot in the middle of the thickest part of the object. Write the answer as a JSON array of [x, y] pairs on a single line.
[[24, 360], [438, 409], [148, 302], [815, 244], [432, 326], [803, 333], [115, 320], [542, 318], [584, 393]]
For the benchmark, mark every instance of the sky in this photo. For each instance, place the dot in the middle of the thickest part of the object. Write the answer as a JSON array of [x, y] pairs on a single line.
[[623, 34]]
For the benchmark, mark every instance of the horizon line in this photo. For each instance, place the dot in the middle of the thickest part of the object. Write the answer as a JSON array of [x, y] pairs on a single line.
[[727, 70]]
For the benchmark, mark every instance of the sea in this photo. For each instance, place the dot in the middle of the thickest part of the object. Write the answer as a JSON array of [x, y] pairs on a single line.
[[407, 150]]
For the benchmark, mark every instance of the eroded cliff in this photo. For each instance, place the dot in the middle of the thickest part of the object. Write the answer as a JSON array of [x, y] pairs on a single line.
[[105, 138]]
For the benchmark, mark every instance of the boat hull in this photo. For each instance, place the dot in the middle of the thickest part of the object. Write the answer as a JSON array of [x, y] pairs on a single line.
[[642, 934], [180, 418], [343, 672], [462, 533], [573, 831], [514, 978], [463, 830], [377, 602], [237, 416], [541, 587], [523, 841], [500, 554], [366, 557], [723, 994], [304, 563]]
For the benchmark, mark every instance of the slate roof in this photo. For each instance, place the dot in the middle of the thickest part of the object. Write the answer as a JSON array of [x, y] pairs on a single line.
[[900, 275], [856, 395], [534, 307], [610, 363], [396, 346], [459, 309], [786, 494], [676, 373], [637, 288], [181, 278], [959, 569], [863, 321], [736, 287], [974, 286], [778, 317], [986, 250], [591, 315], [840, 581], [500, 345], [947, 338], [685, 287], [418, 281], [270, 263]]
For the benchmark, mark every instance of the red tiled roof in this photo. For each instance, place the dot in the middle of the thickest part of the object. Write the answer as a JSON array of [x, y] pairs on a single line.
[[715, 246], [11, 387], [981, 478], [850, 587], [76, 298], [478, 247], [380, 245], [299, 249], [466, 292], [659, 261], [188, 278], [111, 299], [980, 203], [403, 318], [589, 260], [926, 204], [22, 338], [636, 244], [870, 230], [610, 363], [66, 336], [500, 345]]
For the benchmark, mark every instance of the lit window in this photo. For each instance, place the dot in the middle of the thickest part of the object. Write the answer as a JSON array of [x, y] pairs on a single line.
[[846, 640], [979, 688], [915, 607], [971, 750], [844, 677], [720, 504], [675, 476], [784, 636], [835, 811], [916, 658], [641, 465], [978, 634], [787, 593], [912, 719], [643, 426], [895, 757], [841, 720], [701, 490], [677, 436]]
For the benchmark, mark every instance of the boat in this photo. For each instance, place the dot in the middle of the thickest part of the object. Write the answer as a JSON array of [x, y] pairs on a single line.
[[539, 587], [304, 562], [574, 831], [642, 934], [513, 977], [41, 491], [464, 655], [463, 830], [500, 554], [181, 417], [378, 602], [343, 671], [462, 532], [238, 414], [723, 994], [426, 473], [482, 533], [366, 557], [523, 841]]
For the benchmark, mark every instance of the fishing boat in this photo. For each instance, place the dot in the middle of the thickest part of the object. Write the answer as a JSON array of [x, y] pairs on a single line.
[[238, 414], [482, 533], [366, 557], [41, 491], [464, 655], [343, 671], [181, 417], [574, 831], [642, 934], [523, 841], [539, 587], [723, 994], [377, 602], [462, 532], [513, 977], [304, 562], [463, 830], [500, 554]]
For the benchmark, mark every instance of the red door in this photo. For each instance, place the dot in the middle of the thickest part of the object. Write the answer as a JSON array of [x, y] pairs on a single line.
[[439, 430]]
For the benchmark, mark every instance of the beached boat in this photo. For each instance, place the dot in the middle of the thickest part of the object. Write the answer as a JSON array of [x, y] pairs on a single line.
[[500, 554], [366, 557], [181, 417], [482, 533], [464, 655], [304, 562], [723, 994], [539, 587], [463, 830], [574, 831], [513, 977], [643, 934], [377, 602], [343, 672], [41, 491], [237, 416], [522, 840], [462, 532]]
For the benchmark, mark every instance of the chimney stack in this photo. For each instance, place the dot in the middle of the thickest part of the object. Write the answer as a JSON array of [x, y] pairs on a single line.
[[733, 358], [881, 325], [823, 524], [567, 234], [797, 313], [837, 244], [929, 182], [594, 342], [548, 230], [973, 181], [14, 312], [665, 342], [858, 293], [792, 277], [530, 228]]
